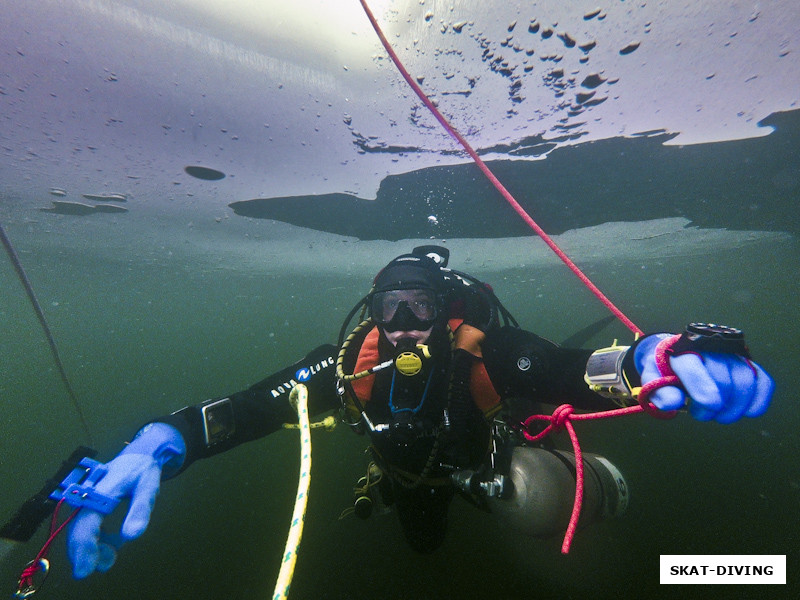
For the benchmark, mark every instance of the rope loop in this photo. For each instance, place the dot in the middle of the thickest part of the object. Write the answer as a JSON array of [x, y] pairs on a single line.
[[27, 584], [668, 377]]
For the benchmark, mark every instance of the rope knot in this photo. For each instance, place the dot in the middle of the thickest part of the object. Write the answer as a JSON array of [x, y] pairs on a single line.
[[561, 416], [560, 419]]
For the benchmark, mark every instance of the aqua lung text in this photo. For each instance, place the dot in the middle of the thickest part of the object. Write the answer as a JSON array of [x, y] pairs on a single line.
[[302, 375]]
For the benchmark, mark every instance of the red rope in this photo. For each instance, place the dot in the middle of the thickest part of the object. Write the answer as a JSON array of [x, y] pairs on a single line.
[[662, 353], [26, 585], [494, 180], [562, 418]]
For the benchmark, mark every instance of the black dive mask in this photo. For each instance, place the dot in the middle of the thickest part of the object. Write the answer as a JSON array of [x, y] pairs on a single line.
[[404, 319], [404, 310]]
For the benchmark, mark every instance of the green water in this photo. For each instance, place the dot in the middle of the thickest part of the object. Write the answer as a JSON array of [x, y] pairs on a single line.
[[151, 317]]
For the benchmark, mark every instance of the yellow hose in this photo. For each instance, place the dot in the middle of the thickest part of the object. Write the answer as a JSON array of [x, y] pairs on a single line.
[[299, 398]]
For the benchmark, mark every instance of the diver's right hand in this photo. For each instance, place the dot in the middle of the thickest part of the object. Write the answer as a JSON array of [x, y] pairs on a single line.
[[136, 474]]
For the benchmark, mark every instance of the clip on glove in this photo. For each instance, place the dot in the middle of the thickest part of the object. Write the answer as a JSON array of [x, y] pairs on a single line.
[[134, 473], [77, 489]]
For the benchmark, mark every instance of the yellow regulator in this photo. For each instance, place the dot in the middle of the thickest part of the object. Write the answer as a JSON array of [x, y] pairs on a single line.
[[409, 363]]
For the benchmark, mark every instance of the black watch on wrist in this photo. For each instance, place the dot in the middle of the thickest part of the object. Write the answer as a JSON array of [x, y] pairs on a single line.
[[709, 337]]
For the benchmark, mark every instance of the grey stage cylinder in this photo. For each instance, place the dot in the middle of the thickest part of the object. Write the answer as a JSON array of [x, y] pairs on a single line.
[[544, 491]]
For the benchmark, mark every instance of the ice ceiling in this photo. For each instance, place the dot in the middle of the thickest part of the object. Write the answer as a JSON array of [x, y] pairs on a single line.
[[106, 103]]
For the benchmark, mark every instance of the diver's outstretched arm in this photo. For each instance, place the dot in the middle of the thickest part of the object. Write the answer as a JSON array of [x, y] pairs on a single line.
[[168, 445]]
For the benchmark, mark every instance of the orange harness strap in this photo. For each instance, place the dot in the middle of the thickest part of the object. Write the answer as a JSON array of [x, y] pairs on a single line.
[[368, 357], [470, 339]]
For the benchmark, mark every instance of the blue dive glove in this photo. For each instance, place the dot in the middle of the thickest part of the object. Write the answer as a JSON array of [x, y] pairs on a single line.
[[134, 473], [722, 385]]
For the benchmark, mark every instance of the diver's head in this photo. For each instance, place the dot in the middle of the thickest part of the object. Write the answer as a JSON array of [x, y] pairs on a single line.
[[405, 314], [407, 301]]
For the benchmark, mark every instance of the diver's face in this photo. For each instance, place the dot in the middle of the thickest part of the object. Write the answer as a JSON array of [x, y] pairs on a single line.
[[418, 337], [405, 314]]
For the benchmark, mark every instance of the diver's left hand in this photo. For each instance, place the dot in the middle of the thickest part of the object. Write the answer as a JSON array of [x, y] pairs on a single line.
[[135, 473], [719, 386]]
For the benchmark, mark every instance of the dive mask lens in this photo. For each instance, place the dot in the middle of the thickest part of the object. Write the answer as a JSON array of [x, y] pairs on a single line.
[[420, 302]]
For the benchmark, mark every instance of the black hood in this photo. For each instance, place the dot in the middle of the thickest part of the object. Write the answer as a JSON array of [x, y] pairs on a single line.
[[410, 271]]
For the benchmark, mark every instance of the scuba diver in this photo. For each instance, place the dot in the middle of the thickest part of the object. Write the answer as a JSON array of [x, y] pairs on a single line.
[[440, 378]]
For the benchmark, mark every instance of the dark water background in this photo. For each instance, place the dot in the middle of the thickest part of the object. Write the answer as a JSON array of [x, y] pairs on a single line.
[[146, 327]]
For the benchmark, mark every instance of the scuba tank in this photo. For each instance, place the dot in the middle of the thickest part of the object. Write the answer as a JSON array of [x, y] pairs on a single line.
[[543, 491]]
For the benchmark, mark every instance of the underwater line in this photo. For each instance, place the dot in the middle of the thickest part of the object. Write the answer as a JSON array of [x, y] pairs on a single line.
[[23, 278], [495, 181]]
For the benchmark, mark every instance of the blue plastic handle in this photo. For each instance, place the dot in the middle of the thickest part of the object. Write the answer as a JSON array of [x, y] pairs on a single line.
[[77, 488]]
